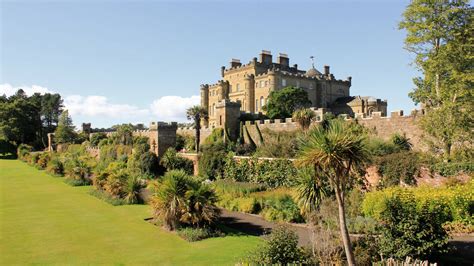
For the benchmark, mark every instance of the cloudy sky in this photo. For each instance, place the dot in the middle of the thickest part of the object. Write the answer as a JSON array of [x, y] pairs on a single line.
[[142, 61]]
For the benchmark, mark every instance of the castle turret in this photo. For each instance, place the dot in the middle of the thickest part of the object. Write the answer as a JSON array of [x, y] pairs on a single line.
[[249, 93]]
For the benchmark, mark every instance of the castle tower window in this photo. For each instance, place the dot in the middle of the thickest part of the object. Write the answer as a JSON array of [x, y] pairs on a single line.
[[238, 87], [256, 106], [297, 83], [262, 101], [261, 83], [283, 82], [213, 112]]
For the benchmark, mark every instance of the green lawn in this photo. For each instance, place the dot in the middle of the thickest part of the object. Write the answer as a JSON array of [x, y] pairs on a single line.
[[45, 221]]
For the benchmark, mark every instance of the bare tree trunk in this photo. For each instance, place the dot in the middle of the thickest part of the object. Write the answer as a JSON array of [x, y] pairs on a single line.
[[342, 225]]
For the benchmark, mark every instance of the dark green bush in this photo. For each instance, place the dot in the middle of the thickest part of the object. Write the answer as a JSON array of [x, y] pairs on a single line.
[[55, 166], [7, 148], [411, 231], [96, 138], [452, 168], [212, 161], [279, 247], [271, 173], [171, 161], [396, 167], [236, 189], [281, 209]]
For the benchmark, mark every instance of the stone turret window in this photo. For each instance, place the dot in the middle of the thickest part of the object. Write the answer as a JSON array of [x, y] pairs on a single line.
[[283, 82], [261, 83], [262, 101]]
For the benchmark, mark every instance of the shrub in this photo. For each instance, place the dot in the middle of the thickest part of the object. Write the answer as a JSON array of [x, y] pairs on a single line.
[[452, 168], [179, 200], [278, 144], [171, 161], [34, 157], [236, 189], [76, 182], [454, 203], [396, 167], [279, 247], [366, 250], [78, 169], [96, 138], [281, 209], [401, 142], [379, 147], [55, 166], [23, 150], [271, 173], [195, 234], [212, 161], [43, 160], [412, 231]]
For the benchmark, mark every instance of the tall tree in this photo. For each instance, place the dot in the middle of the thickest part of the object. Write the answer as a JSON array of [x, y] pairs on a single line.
[[65, 133], [282, 103], [196, 114], [441, 35], [338, 153]]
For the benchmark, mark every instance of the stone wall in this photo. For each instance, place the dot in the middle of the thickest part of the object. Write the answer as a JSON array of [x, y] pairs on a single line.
[[382, 126]]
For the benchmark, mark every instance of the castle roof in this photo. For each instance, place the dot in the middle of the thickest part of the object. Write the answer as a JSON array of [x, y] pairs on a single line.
[[313, 72]]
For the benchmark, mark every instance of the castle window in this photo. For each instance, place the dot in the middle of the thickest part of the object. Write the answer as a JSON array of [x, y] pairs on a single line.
[[297, 83], [238, 87], [262, 101], [213, 109], [256, 106], [261, 83], [283, 82]]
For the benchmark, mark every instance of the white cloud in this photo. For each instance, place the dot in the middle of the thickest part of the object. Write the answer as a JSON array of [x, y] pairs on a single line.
[[9, 90], [99, 106], [172, 108], [95, 107]]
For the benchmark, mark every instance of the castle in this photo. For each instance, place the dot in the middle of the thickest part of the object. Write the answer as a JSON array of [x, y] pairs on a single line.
[[246, 87]]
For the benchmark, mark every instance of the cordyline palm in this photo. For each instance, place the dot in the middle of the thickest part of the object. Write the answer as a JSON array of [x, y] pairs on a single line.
[[201, 208], [196, 113], [336, 152], [168, 201], [303, 117]]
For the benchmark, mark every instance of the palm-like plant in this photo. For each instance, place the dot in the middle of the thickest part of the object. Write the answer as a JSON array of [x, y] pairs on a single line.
[[197, 113], [169, 199], [336, 153], [309, 191], [132, 190], [201, 208], [303, 117]]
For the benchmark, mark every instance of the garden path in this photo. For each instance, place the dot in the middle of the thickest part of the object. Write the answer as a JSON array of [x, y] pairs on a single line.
[[255, 225]]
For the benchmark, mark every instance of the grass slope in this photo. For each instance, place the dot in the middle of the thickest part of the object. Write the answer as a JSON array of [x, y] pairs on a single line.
[[45, 221]]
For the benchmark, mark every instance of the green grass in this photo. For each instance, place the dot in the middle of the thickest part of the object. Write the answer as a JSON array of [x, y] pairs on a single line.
[[45, 221]]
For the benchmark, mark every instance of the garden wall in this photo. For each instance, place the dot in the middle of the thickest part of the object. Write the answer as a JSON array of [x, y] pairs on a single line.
[[383, 127]]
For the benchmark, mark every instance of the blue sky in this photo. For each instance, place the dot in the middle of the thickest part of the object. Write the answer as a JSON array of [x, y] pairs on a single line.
[[140, 61]]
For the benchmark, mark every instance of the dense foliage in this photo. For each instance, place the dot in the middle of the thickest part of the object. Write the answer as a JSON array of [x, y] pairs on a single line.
[[172, 161], [282, 103], [411, 230], [280, 247], [28, 119], [178, 200]]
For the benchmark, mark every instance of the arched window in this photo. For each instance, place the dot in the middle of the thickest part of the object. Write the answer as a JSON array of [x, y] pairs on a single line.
[[262, 101], [213, 112]]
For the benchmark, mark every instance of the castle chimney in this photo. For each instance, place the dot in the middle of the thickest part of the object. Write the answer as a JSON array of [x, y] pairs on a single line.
[[283, 60], [222, 70], [266, 57], [295, 66], [235, 63], [326, 70]]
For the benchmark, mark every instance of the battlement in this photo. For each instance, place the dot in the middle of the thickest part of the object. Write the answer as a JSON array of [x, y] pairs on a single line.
[[163, 125]]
